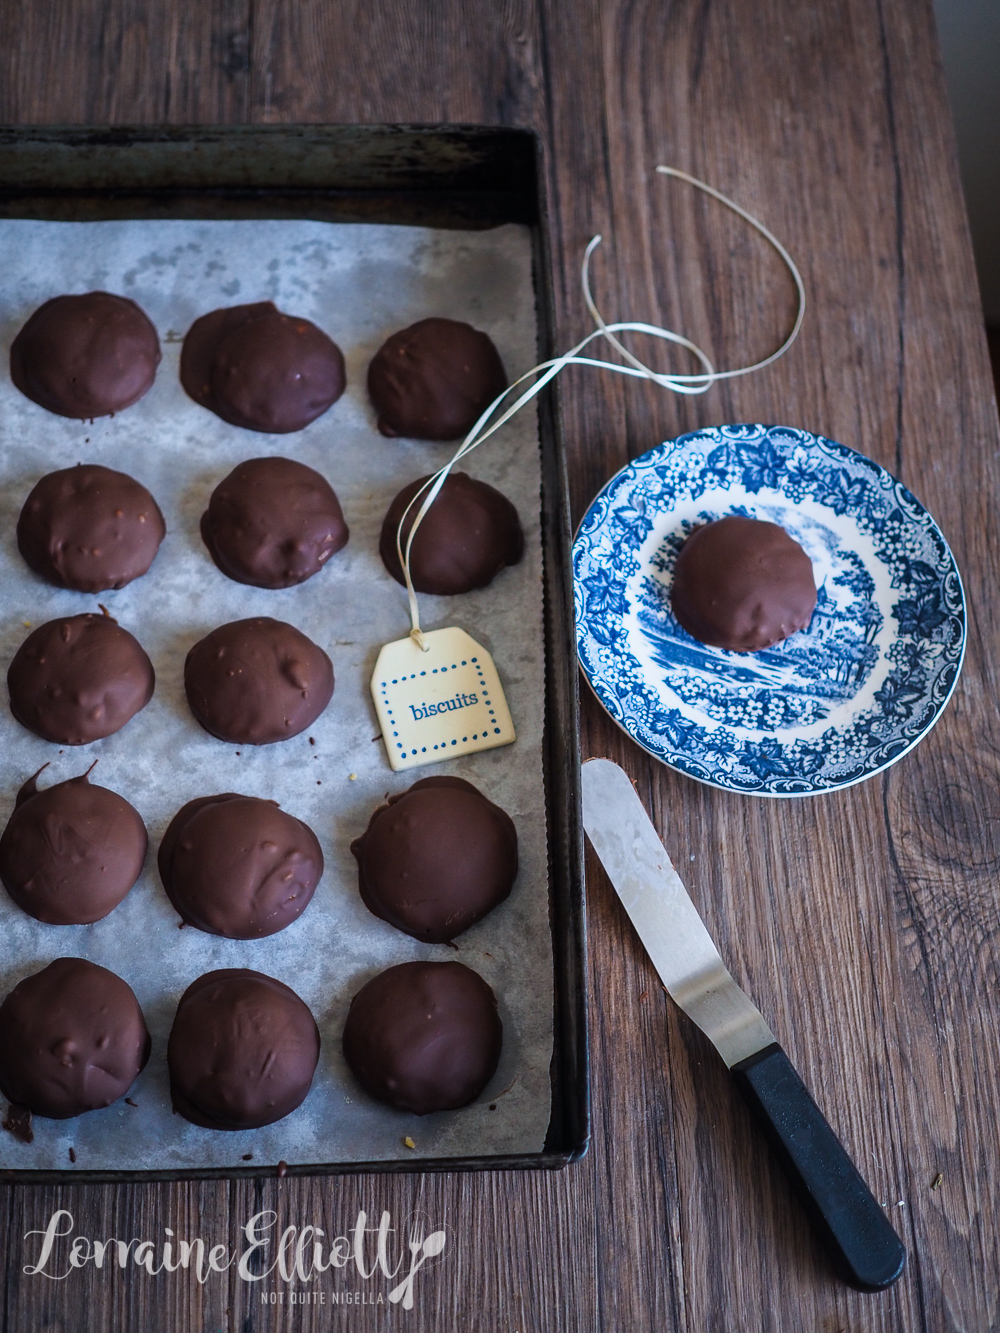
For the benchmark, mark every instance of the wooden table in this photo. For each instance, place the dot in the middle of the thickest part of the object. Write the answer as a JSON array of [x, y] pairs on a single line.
[[865, 923]]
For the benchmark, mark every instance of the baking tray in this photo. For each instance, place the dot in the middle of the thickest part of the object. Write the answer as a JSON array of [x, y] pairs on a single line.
[[453, 176]]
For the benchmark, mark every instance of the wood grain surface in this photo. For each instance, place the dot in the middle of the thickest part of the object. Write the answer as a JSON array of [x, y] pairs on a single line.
[[865, 923]]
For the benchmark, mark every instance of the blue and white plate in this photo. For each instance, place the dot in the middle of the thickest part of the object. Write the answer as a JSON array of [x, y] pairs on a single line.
[[832, 705]]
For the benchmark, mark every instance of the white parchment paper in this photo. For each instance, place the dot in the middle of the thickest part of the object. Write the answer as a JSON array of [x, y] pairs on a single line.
[[359, 283]]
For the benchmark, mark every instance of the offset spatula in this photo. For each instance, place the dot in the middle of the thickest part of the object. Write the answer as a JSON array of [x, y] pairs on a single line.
[[865, 1248]]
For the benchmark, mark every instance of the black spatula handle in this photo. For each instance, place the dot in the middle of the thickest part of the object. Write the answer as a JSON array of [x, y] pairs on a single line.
[[866, 1250]]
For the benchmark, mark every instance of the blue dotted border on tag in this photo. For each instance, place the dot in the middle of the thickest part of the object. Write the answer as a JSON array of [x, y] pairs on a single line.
[[442, 745]]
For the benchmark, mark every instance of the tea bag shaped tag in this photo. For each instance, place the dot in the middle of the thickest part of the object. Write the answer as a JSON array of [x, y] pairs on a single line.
[[439, 701]]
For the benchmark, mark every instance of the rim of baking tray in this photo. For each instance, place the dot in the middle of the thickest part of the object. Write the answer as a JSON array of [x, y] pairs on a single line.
[[831, 446]]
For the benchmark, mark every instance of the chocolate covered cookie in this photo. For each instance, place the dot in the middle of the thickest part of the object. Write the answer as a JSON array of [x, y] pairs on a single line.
[[424, 1037], [242, 1051], [72, 1039], [742, 584], [257, 681], [70, 853], [85, 356], [75, 680], [273, 523], [436, 858], [255, 367], [467, 536], [238, 866], [89, 528], [434, 380]]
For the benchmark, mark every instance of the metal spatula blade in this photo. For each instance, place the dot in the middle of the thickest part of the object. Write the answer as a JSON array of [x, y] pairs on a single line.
[[867, 1251]]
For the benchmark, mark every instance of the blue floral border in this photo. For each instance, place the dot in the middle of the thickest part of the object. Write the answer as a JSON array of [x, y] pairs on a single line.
[[929, 615]]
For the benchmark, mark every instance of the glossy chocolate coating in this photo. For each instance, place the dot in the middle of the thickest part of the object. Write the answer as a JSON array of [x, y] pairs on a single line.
[[85, 356], [273, 523], [89, 528], [424, 1037], [75, 680], [742, 584], [238, 866], [72, 1039], [242, 1051], [468, 535], [433, 380], [257, 368], [257, 681], [70, 853], [436, 858], [202, 342]]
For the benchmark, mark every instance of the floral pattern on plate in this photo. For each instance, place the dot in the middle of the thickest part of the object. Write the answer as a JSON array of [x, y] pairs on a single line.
[[830, 706]]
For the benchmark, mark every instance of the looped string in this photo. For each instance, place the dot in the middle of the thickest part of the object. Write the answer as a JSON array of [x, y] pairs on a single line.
[[547, 370]]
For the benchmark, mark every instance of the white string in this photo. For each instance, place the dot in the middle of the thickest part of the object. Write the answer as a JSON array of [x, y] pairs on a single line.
[[547, 370]]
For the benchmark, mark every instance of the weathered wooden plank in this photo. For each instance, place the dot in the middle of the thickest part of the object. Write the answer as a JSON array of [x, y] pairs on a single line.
[[85, 62]]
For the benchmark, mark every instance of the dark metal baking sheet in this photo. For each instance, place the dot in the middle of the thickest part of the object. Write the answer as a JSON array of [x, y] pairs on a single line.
[[438, 176]]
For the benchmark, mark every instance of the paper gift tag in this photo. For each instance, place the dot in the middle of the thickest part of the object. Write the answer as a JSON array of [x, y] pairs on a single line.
[[439, 703]]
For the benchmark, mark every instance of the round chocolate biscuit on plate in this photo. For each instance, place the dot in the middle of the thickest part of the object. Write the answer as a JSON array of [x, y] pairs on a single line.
[[257, 681], [258, 368], [89, 528], [85, 356], [72, 1039], [238, 866], [436, 858], [469, 533], [424, 1037], [273, 523], [78, 679], [434, 380], [742, 584], [242, 1051], [70, 853], [839, 701]]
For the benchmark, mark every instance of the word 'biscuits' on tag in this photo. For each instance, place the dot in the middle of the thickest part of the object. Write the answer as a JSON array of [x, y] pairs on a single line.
[[439, 701]]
